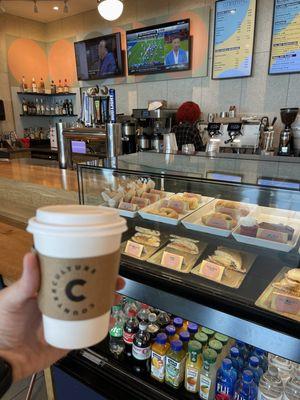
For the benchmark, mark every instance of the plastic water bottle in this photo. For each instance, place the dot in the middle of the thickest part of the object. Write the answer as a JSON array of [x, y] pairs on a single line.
[[245, 388], [242, 349], [254, 367], [263, 359], [285, 367], [292, 387], [270, 385], [237, 361], [226, 379]]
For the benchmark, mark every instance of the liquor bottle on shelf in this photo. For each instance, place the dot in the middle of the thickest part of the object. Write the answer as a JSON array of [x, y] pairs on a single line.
[[141, 349], [37, 107], [47, 109], [60, 88], [23, 85], [33, 86], [42, 107], [61, 106], [64, 108], [56, 109], [53, 87], [24, 107], [66, 86], [42, 86], [70, 108]]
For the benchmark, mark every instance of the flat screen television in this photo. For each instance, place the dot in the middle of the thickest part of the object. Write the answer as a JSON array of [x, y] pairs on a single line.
[[99, 58], [159, 48]]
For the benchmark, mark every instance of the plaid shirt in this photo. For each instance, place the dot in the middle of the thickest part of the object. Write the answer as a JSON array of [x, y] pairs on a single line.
[[187, 133]]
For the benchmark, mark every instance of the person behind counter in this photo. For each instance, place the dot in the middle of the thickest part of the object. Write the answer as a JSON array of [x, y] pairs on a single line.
[[186, 130], [23, 350], [106, 63]]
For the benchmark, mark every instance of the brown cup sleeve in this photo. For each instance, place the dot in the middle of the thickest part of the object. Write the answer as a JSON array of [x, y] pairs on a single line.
[[77, 289]]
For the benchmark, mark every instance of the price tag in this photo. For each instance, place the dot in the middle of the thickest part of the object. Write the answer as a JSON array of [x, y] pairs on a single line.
[[274, 236], [171, 260], [211, 271], [134, 249]]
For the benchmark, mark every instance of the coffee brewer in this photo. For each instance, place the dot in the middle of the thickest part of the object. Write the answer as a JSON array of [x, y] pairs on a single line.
[[129, 137], [288, 116]]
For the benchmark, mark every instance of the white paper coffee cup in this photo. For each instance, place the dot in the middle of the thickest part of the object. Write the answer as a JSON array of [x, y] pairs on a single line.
[[79, 251]]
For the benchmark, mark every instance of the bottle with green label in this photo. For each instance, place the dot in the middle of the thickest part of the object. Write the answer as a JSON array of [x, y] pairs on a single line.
[[202, 338], [175, 364], [209, 332], [193, 366], [208, 375], [218, 347], [225, 342]]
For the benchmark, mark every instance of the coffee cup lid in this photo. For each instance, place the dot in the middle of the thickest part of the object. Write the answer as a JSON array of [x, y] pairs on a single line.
[[72, 218]]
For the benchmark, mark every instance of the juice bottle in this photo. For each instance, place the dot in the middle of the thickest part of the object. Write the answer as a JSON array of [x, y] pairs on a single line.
[[209, 332], [224, 340], [158, 357], [175, 363], [208, 375], [178, 323], [171, 333], [185, 338], [193, 366], [217, 346], [192, 329], [202, 338], [226, 379], [185, 325]]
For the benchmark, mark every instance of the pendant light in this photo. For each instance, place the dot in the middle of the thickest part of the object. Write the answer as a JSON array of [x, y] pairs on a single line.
[[110, 9]]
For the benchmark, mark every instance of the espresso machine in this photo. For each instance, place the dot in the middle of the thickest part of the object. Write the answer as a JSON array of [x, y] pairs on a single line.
[[286, 145], [151, 126]]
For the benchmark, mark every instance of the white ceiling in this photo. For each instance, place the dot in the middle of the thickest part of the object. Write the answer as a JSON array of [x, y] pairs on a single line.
[[24, 8]]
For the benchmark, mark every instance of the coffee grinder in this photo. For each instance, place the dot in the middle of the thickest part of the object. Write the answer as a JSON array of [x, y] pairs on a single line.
[[288, 116]]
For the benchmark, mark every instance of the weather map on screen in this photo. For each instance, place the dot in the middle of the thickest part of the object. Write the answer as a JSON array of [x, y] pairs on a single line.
[[160, 48]]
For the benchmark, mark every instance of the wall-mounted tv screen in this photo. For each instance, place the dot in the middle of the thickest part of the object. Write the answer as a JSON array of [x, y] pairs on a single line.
[[99, 58], [159, 48]]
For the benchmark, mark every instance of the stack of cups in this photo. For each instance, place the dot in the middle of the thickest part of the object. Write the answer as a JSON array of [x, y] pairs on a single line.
[[79, 253]]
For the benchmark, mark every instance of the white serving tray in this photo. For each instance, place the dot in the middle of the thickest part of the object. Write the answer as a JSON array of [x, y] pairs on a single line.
[[276, 216], [144, 213], [194, 222]]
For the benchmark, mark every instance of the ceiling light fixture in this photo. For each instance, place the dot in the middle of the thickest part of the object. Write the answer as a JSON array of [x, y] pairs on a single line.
[[35, 7], [2, 9], [66, 7], [55, 8], [110, 9]]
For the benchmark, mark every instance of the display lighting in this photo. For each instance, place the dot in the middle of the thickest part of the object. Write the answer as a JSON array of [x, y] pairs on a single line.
[[110, 9]]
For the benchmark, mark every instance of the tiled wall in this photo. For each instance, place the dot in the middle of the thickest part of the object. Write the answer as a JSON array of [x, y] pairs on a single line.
[[260, 94]]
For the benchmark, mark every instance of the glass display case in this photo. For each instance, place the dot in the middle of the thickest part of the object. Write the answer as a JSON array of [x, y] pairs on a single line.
[[223, 255]]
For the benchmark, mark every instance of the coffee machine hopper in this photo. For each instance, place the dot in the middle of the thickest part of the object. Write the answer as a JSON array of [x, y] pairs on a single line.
[[286, 145]]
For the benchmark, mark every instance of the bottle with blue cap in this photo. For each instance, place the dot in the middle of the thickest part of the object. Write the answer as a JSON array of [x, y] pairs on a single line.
[[192, 329], [175, 364], [185, 338], [158, 357], [226, 379], [245, 388], [254, 367], [261, 355], [236, 359], [244, 354]]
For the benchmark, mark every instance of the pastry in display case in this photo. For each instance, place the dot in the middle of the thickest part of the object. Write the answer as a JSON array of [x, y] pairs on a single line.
[[283, 294], [180, 254], [226, 266], [144, 243]]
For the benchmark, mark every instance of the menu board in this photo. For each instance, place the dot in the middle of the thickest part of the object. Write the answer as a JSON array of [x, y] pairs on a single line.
[[285, 48], [233, 38]]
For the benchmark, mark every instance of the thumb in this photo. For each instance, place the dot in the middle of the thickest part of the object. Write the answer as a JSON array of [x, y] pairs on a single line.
[[28, 285]]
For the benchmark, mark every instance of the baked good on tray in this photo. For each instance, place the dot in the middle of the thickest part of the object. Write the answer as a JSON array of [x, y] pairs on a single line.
[[184, 245], [286, 293], [248, 226], [285, 229], [164, 212], [228, 258], [232, 208], [219, 220]]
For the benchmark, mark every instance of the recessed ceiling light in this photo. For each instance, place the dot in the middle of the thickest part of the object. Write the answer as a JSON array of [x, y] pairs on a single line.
[[56, 8]]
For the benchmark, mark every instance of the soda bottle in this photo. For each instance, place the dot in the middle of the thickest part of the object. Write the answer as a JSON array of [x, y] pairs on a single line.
[[116, 343], [143, 313], [153, 327], [130, 329], [225, 382], [141, 349], [292, 387], [129, 304], [245, 388], [270, 385], [171, 333], [208, 375], [237, 361], [254, 367], [261, 355], [158, 357], [163, 320], [193, 366], [192, 329]]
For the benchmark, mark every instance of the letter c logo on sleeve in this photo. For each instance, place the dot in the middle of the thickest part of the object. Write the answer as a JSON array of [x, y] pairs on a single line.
[[69, 290]]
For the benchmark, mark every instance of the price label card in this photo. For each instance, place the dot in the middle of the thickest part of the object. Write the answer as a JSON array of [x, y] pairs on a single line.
[[171, 260], [211, 271], [274, 236], [134, 249]]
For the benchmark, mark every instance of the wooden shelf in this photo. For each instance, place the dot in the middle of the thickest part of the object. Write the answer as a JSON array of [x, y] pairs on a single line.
[[46, 94], [49, 116]]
